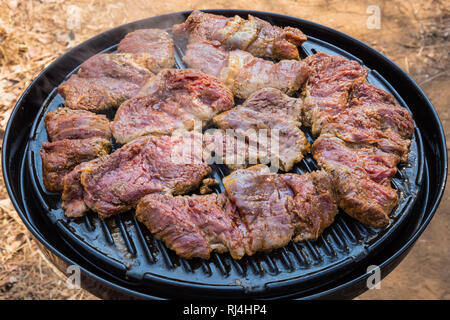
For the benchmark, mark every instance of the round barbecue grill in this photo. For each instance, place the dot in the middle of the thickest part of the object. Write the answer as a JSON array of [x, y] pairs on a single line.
[[118, 257]]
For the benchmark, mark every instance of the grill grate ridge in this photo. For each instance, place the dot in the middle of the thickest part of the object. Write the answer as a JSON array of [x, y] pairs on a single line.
[[107, 233], [346, 232], [165, 254], [88, 223], [239, 269], [186, 266], [143, 242], [326, 246], [286, 260], [312, 249], [128, 241], [272, 266], [221, 264], [301, 256], [206, 267], [339, 241]]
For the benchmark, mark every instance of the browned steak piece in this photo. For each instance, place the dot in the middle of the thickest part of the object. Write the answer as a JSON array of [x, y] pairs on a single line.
[[389, 113], [168, 164], [60, 157], [373, 118], [327, 89], [152, 48], [104, 81], [254, 35], [73, 193], [272, 41], [96, 94], [261, 201], [242, 72], [199, 26], [227, 147], [65, 123], [362, 198], [313, 203], [260, 211], [117, 66], [361, 178], [269, 119], [378, 165], [193, 226], [174, 99], [275, 208]]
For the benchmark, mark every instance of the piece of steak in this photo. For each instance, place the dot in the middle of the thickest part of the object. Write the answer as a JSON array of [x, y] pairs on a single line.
[[254, 35], [361, 178], [96, 94], [173, 99], [269, 119], [121, 66], [261, 202], [373, 118], [193, 226], [379, 166], [327, 90], [73, 192], [226, 147], [60, 157], [65, 123], [153, 48], [242, 72], [275, 208], [260, 211], [313, 204], [104, 81], [153, 164]]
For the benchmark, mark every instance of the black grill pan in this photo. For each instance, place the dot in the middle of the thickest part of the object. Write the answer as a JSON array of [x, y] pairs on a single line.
[[122, 249]]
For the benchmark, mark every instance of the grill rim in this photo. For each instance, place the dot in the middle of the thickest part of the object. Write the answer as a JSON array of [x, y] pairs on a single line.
[[6, 143]]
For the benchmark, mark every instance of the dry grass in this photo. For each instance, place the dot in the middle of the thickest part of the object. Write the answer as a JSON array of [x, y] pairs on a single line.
[[33, 33]]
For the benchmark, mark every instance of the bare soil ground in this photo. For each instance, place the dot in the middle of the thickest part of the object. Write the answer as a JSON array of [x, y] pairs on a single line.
[[415, 34]]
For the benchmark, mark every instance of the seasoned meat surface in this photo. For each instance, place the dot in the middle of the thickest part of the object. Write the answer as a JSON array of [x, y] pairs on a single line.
[[153, 164], [152, 48], [254, 35], [275, 207], [361, 178], [268, 119], [96, 94], [242, 72], [380, 122], [174, 99], [373, 117], [361, 133], [65, 123], [362, 198], [261, 201], [328, 87], [73, 193], [120, 66], [193, 226], [313, 204], [364, 135], [260, 211], [104, 81], [199, 26], [378, 165], [60, 157]]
